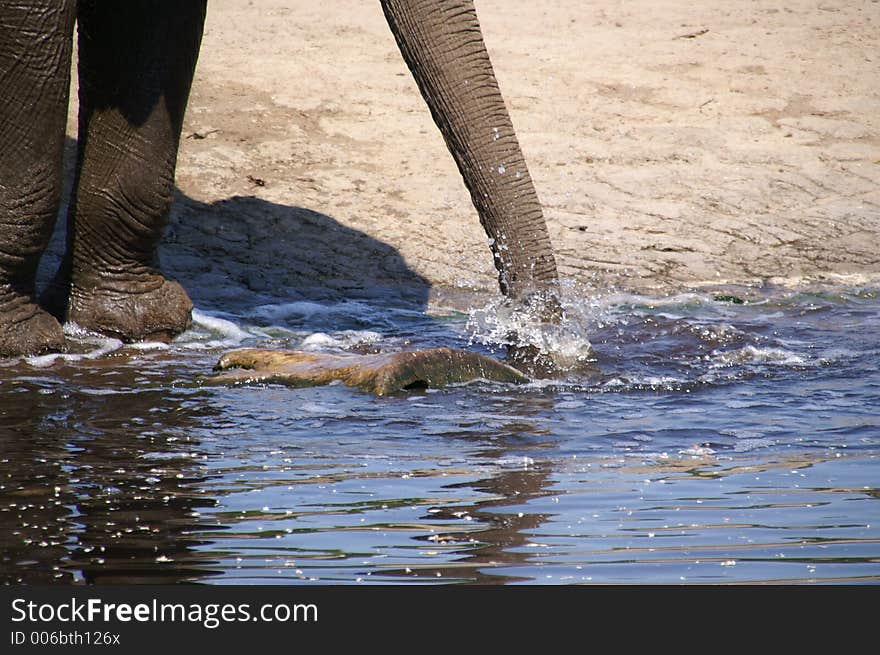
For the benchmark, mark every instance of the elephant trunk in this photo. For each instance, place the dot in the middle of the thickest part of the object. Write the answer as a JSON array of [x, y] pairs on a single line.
[[443, 46]]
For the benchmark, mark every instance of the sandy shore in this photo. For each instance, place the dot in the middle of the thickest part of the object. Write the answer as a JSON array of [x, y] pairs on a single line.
[[672, 143]]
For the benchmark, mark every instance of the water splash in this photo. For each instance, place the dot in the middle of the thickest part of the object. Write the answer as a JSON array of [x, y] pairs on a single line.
[[346, 340], [88, 345], [503, 323], [212, 330], [766, 356]]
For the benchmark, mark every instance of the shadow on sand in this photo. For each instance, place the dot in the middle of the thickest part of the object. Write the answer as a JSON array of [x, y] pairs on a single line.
[[244, 251]]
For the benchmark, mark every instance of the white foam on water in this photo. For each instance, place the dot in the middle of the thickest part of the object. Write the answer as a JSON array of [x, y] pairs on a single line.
[[149, 345], [754, 355], [102, 346], [227, 329], [42, 361], [217, 330], [317, 341], [343, 340], [629, 302], [345, 310], [652, 382], [225, 333]]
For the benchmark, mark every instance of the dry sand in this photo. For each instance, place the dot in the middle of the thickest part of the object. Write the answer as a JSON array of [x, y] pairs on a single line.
[[673, 144]]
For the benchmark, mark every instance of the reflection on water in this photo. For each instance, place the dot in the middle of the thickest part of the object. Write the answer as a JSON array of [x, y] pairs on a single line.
[[101, 475], [721, 443]]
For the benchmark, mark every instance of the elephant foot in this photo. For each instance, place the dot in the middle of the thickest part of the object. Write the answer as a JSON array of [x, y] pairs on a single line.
[[381, 374], [156, 310], [25, 329]]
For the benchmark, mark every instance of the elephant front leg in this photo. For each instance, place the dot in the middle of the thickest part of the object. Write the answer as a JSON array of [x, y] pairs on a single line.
[[442, 44], [136, 65], [35, 51]]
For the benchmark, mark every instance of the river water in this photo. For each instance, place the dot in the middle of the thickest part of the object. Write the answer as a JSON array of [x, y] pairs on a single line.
[[715, 442]]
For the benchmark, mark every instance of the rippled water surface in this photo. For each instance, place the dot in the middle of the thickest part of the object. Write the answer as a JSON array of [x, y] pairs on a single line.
[[715, 442]]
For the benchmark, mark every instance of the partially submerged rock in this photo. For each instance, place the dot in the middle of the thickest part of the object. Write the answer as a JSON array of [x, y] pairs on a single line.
[[379, 373]]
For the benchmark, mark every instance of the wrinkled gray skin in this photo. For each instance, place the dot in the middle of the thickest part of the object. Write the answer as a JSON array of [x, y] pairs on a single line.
[[136, 63]]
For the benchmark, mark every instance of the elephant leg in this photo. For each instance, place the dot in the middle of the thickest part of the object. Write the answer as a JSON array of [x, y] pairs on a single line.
[[443, 46], [35, 52], [136, 64]]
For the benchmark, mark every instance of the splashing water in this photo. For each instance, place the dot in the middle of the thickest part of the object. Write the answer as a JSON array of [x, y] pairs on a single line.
[[503, 323]]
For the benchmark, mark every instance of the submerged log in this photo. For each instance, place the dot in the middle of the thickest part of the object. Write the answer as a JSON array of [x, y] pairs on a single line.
[[380, 373]]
